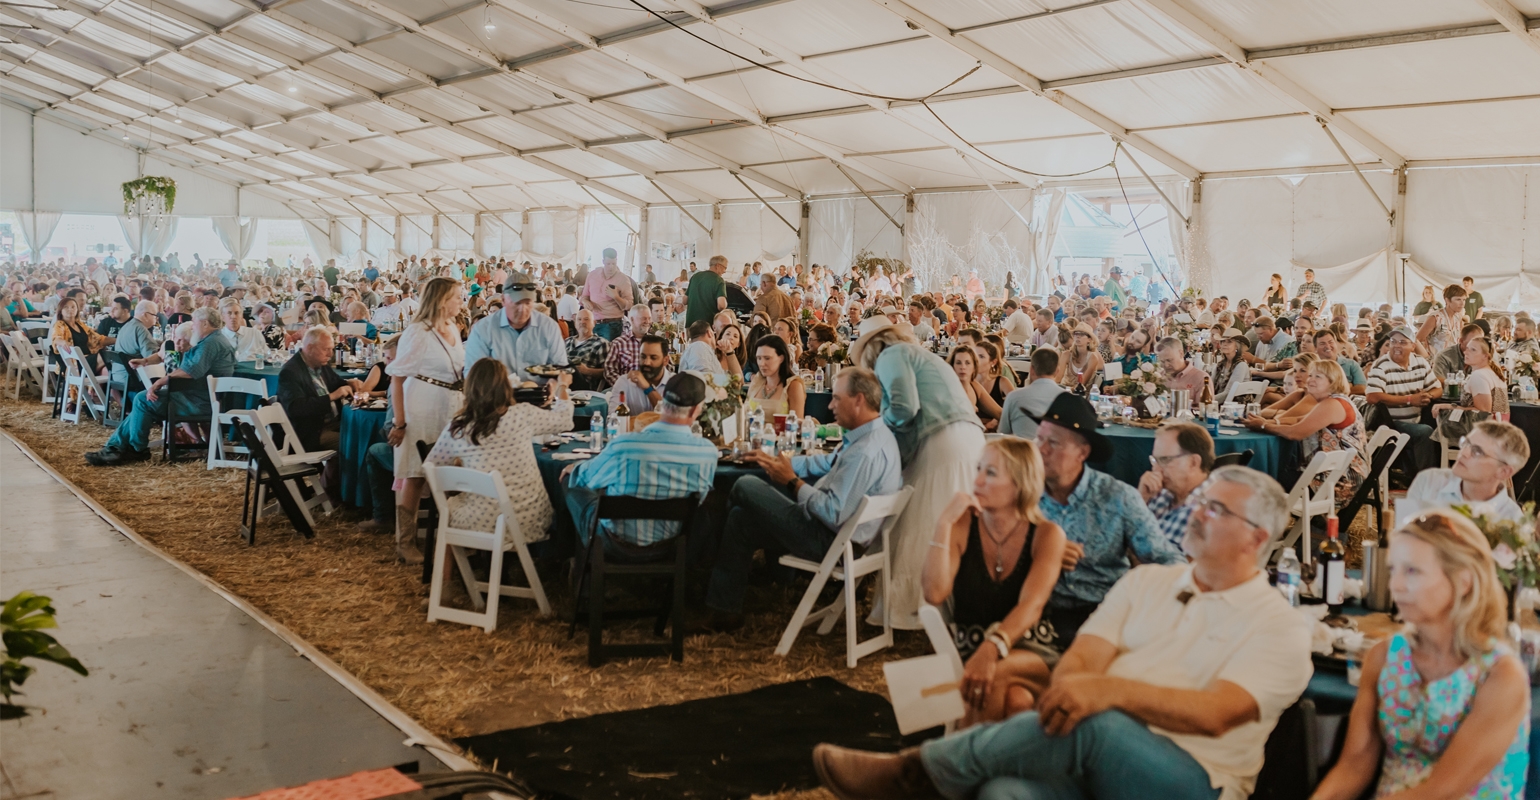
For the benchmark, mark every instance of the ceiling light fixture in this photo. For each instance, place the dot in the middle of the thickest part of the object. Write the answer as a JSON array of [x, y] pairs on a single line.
[[489, 26]]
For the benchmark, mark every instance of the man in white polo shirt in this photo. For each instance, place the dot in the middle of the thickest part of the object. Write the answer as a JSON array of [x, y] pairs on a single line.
[[1170, 689]]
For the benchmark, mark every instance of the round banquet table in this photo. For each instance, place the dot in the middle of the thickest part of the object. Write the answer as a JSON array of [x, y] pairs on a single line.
[[583, 413], [360, 428], [1132, 447], [270, 370]]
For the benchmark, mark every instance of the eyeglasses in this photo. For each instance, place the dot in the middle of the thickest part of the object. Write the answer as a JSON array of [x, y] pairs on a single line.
[[1215, 509], [1477, 451], [1161, 461]]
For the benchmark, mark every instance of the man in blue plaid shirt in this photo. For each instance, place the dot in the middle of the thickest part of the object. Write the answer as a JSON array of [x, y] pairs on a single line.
[[1179, 466]]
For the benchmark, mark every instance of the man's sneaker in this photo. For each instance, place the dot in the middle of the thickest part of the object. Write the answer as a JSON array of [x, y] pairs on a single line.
[[105, 457], [131, 456]]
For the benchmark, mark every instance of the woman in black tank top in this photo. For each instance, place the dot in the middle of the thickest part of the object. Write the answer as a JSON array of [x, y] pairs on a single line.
[[994, 561]]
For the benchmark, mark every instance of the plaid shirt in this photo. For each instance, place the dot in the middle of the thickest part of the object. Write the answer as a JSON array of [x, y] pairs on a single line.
[[625, 349], [1171, 517], [592, 352]]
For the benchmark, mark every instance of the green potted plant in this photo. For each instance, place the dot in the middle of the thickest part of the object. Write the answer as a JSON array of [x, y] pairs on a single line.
[[160, 191], [21, 623]]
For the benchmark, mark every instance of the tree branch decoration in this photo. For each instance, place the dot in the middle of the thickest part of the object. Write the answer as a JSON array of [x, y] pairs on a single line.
[[158, 192]]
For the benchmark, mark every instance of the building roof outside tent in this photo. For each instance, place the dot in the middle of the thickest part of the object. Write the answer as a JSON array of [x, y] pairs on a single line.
[[438, 106]]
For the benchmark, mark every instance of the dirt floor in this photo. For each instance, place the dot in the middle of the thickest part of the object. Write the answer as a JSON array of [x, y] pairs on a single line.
[[345, 593]]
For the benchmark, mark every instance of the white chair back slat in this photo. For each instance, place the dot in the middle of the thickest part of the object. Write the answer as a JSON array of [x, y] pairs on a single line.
[[451, 541], [1245, 389], [1304, 504], [224, 453]]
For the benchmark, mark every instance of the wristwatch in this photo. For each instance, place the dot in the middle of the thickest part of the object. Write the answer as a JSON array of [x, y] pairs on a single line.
[[793, 484]]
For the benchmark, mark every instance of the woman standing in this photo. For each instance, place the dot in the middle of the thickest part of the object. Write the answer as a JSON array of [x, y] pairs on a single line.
[[777, 388], [996, 559], [939, 438], [491, 433], [1274, 296], [1443, 706], [1441, 329], [965, 364], [1427, 303], [425, 390], [1012, 291]]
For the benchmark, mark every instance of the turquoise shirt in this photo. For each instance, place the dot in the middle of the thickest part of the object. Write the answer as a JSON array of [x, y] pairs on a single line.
[[920, 395]]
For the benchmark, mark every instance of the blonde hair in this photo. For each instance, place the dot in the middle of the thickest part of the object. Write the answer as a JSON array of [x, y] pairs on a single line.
[[1025, 466], [1510, 439], [1478, 616], [1332, 372], [434, 296], [880, 341]]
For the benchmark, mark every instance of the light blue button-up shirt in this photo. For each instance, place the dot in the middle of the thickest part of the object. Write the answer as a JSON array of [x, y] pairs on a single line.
[[539, 343], [1108, 518], [867, 463], [659, 462]]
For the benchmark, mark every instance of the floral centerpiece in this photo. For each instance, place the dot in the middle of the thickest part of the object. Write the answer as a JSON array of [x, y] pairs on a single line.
[[1146, 381], [665, 328], [1514, 547], [159, 191], [834, 352], [996, 317], [726, 400]]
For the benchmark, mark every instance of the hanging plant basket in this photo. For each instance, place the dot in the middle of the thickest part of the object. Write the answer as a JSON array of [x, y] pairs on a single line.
[[157, 192]]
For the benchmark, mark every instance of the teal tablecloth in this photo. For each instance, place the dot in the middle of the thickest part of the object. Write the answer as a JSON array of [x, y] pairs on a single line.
[[270, 370], [1132, 448], [360, 428], [583, 413]]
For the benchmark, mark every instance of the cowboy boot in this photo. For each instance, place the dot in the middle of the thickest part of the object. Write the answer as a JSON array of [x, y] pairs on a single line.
[[859, 775], [406, 536]]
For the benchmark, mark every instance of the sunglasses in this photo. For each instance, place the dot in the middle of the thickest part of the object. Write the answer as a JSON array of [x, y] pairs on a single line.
[[521, 287]]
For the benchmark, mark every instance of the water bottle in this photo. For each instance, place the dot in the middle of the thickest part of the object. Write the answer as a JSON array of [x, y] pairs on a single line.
[[1288, 576], [809, 435], [596, 432], [1213, 418], [818, 380], [792, 423], [612, 429], [767, 440]]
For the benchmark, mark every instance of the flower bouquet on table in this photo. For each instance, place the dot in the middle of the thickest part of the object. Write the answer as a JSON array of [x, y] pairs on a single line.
[[834, 352], [1514, 546], [666, 329], [996, 317], [1140, 385], [726, 394], [808, 318]]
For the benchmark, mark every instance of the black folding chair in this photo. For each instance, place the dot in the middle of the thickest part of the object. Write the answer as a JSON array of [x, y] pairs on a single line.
[[671, 560], [1289, 768], [122, 387], [263, 477], [170, 450], [1240, 459], [1369, 491]]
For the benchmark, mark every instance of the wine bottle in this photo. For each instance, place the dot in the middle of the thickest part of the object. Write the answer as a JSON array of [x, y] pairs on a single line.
[[1332, 562]]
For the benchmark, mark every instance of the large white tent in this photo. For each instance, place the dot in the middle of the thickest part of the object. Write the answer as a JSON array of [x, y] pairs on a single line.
[[795, 129]]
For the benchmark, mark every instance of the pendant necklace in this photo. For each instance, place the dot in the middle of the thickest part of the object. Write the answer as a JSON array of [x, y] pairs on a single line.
[[999, 546]]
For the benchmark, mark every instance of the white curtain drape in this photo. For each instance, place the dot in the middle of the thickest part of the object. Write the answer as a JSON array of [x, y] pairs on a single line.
[[1361, 278], [37, 229], [237, 234], [1181, 241], [318, 231], [148, 239], [1044, 238]]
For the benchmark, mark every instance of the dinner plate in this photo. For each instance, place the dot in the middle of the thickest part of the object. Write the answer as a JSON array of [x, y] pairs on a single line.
[[546, 370]]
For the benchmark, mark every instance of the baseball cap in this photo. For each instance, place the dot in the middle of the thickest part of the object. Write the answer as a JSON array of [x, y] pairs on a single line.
[[684, 391], [1411, 335], [520, 286]]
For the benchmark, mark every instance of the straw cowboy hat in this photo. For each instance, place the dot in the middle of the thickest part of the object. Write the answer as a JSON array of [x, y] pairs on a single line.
[[869, 327]]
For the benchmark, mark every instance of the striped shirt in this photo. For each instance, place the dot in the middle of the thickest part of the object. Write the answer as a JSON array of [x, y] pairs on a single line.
[[1390, 378], [659, 462]]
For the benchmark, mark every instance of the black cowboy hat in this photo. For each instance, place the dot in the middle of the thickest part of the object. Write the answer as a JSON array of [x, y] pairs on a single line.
[[1075, 413]]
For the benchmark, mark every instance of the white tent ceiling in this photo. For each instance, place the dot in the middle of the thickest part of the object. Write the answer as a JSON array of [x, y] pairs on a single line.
[[348, 107]]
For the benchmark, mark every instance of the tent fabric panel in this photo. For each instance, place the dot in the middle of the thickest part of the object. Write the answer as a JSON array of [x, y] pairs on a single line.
[[765, 92], [1436, 71], [669, 108], [582, 123], [1093, 41], [658, 155], [751, 232], [423, 54], [1257, 24], [589, 73], [670, 237], [869, 132], [1209, 94], [519, 137], [824, 26], [910, 70], [284, 39], [1257, 144], [1478, 222], [753, 146], [1015, 116], [1475, 130]]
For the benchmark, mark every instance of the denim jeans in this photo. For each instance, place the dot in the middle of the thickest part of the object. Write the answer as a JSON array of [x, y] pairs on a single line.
[[1110, 756], [759, 516], [133, 434], [609, 328], [380, 466], [1424, 450]]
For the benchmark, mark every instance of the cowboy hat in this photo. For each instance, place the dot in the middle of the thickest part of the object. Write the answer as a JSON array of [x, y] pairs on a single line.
[[870, 327], [1074, 413]]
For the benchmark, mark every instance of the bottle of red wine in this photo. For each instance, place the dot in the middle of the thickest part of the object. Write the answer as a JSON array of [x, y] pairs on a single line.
[[1333, 563]]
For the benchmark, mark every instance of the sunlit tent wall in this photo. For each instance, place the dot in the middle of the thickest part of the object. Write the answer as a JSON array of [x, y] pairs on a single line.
[[1007, 136]]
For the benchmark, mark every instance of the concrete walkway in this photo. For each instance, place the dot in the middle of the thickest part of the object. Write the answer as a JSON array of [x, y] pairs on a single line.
[[188, 697]]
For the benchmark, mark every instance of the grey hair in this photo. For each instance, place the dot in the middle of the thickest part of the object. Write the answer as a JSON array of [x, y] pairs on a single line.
[[314, 334], [863, 382], [667, 409], [209, 316], [1268, 506], [636, 311]]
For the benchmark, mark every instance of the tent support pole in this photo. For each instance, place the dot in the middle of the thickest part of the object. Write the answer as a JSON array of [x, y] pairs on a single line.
[[1170, 206], [716, 228], [681, 208], [884, 211], [1389, 215], [804, 252], [612, 211], [767, 204]]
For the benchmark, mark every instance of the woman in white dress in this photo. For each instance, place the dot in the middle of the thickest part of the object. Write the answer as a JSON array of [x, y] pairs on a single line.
[[425, 389], [491, 433]]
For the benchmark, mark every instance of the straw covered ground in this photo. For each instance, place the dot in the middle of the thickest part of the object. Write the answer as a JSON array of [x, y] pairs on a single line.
[[345, 593]]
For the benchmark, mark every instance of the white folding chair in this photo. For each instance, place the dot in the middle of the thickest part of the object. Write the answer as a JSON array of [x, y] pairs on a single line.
[[1304, 503], [38, 355], [150, 373], [24, 363], [505, 535], [841, 564], [942, 642], [1246, 389], [222, 452], [264, 419], [90, 388]]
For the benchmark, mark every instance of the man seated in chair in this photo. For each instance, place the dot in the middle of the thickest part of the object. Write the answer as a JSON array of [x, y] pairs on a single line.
[[1489, 456], [211, 354], [309, 390], [662, 461], [1171, 689], [782, 512], [135, 342]]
